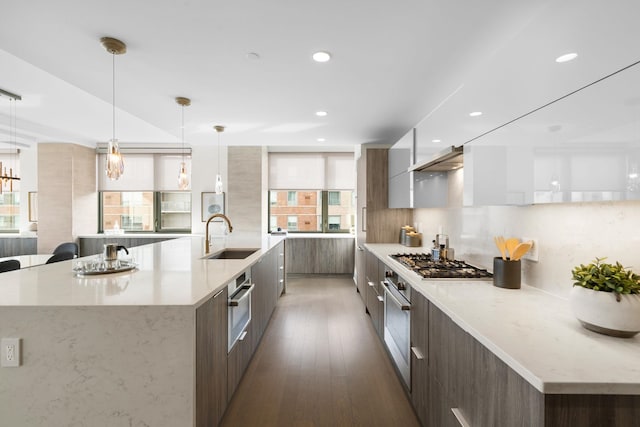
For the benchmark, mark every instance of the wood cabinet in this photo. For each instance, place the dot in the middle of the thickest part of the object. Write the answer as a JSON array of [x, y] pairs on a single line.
[[375, 297], [265, 275], [420, 356], [13, 246], [376, 222], [211, 360], [320, 255]]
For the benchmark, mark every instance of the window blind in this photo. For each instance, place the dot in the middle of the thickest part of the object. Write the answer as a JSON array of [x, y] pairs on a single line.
[[144, 172], [311, 171]]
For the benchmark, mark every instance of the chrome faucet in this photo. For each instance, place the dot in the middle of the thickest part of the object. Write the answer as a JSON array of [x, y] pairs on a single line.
[[206, 233]]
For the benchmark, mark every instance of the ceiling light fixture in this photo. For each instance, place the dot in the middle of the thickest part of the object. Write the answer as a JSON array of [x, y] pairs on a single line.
[[218, 188], [114, 164], [435, 140], [321, 113], [183, 177], [321, 140], [567, 57], [8, 178], [321, 56], [476, 114]]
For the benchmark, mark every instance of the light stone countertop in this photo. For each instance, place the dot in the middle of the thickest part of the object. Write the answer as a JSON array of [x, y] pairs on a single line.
[[533, 332], [169, 273]]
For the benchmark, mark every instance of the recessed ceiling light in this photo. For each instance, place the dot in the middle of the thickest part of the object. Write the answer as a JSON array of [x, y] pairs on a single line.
[[567, 57], [321, 140], [252, 56], [321, 113], [476, 114], [435, 140], [321, 56]]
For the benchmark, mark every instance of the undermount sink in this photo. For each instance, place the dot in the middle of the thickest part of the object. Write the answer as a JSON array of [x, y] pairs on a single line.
[[232, 253]]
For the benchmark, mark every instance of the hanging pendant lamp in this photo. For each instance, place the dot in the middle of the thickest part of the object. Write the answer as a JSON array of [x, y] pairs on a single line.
[[183, 178], [114, 164], [218, 187]]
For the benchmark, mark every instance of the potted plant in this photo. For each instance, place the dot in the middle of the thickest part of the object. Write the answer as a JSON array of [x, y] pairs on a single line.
[[606, 298]]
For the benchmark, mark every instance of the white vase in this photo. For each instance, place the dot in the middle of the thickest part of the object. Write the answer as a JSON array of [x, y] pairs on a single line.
[[600, 311]]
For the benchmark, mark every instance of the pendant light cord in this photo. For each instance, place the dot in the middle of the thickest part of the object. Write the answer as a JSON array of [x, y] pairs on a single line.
[[114, 96], [183, 134]]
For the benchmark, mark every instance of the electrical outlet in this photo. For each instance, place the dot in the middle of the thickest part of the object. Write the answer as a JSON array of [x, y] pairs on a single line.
[[10, 352], [532, 255]]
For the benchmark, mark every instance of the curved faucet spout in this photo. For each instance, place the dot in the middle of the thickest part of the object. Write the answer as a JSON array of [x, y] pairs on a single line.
[[206, 233]]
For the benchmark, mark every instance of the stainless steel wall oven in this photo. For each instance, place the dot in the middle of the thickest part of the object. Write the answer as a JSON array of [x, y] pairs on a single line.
[[239, 307], [397, 322]]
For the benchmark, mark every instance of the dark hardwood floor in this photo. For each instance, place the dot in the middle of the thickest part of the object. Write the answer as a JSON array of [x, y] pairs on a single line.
[[320, 363]]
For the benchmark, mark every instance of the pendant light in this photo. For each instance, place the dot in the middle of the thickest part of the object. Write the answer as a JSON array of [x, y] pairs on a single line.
[[183, 178], [218, 187], [6, 179], [114, 164]]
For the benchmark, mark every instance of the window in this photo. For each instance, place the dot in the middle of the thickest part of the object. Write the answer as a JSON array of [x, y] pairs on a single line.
[[10, 194], [145, 198], [129, 211], [310, 210], [9, 212], [292, 198], [334, 198], [145, 211], [292, 223], [316, 188]]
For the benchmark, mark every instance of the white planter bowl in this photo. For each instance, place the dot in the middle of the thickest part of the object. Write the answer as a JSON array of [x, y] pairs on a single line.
[[600, 311]]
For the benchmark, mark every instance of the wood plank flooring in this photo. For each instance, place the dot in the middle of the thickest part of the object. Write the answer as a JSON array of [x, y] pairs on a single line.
[[320, 363]]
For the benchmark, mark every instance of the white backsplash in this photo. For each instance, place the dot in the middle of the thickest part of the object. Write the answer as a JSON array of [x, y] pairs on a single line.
[[568, 234]]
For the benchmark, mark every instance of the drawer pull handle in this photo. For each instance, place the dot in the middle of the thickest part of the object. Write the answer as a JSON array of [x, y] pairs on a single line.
[[371, 284], [417, 353], [461, 419], [242, 335], [380, 298]]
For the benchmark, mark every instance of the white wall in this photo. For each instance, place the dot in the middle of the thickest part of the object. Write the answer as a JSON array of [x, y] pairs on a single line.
[[568, 234]]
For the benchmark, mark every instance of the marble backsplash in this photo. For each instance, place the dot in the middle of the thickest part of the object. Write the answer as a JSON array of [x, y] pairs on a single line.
[[568, 234]]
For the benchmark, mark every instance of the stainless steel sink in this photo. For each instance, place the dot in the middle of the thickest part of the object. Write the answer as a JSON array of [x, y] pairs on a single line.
[[232, 253]]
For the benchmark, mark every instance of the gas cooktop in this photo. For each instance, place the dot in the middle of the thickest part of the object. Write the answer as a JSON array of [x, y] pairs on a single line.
[[424, 265]]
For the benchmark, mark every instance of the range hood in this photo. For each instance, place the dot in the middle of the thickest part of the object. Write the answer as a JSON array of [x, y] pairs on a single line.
[[446, 160]]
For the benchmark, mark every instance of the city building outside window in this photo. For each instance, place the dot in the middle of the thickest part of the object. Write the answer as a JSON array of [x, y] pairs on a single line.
[[292, 223], [334, 198]]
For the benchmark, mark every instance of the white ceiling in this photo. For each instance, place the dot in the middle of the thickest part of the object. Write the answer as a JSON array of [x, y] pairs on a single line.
[[393, 62]]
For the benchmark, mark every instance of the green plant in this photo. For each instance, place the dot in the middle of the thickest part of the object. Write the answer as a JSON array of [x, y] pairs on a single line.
[[604, 277]]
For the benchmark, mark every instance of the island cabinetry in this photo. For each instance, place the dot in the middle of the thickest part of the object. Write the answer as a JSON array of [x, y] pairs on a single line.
[[282, 268], [238, 359], [211, 360], [264, 275], [375, 300]]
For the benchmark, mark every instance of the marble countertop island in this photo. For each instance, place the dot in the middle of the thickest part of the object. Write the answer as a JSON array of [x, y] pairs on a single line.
[[116, 349], [172, 272], [533, 332]]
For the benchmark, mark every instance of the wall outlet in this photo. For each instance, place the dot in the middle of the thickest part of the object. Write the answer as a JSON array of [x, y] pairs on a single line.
[[532, 255], [10, 352]]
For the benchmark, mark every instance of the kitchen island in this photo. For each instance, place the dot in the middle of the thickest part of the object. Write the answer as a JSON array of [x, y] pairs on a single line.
[[494, 353], [116, 349]]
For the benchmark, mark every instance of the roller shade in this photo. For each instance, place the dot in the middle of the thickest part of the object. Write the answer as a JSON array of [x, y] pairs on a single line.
[[144, 172], [311, 171]]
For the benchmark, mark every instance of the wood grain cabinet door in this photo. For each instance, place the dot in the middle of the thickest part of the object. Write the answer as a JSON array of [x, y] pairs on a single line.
[[211, 360]]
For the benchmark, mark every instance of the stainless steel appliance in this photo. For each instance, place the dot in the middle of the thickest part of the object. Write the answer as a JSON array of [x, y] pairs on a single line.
[[239, 307], [426, 267], [397, 322]]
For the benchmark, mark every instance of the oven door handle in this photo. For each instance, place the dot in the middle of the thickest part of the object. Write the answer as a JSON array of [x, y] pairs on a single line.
[[241, 294], [393, 297]]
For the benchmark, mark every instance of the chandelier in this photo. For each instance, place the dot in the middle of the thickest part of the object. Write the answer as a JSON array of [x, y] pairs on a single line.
[[6, 179]]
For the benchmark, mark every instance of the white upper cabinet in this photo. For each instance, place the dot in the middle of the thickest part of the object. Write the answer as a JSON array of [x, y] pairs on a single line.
[[549, 131]]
